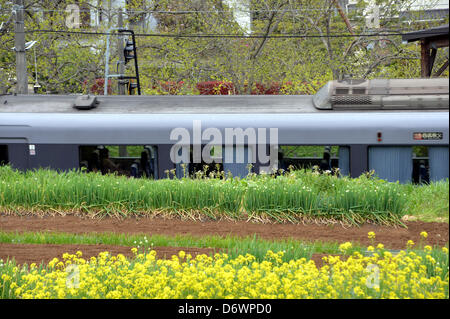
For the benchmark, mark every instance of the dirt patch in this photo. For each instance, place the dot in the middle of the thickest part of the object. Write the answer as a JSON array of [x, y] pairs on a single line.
[[37, 253], [392, 237]]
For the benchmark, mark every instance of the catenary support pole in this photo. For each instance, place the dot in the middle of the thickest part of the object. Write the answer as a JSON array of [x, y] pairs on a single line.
[[21, 61], [120, 48]]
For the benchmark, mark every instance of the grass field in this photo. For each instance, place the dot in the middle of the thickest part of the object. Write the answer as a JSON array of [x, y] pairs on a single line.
[[292, 197], [429, 202]]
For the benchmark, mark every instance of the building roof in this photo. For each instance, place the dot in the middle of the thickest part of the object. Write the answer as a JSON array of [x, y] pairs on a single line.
[[441, 31]]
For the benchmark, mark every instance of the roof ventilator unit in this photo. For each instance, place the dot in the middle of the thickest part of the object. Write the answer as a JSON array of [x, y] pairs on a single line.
[[85, 102], [384, 94]]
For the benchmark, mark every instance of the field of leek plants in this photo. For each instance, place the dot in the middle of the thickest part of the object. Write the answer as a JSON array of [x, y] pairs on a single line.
[[407, 274], [291, 197]]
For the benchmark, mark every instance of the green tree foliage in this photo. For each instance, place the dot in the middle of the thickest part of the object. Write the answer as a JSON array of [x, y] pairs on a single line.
[[296, 46], [64, 61]]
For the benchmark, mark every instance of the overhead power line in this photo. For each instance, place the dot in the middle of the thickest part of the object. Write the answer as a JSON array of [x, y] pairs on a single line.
[[273, 36]]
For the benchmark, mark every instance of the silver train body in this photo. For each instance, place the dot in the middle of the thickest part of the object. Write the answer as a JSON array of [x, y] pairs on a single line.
[[376, 124]]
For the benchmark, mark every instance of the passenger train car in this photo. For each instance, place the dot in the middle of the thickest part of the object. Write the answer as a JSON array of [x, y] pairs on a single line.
[[399, 128]]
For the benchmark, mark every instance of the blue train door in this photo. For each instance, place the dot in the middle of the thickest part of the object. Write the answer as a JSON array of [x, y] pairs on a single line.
[[344, 160], [391, 163], [236, 160], [438, 162]]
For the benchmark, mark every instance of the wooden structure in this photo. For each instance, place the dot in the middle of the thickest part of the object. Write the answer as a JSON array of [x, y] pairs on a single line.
[[430, 40]]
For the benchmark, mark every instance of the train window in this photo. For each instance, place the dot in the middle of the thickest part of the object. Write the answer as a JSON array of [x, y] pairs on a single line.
[[215, 165], [237, 160], [4, 155], [129, 160], [421, 167], [417, 164], [430, 163], [186, 167], [326, 158]]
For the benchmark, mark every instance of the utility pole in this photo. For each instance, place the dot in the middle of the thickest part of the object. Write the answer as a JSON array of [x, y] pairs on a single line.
[[121, 54], [21, 61], [122, 148]]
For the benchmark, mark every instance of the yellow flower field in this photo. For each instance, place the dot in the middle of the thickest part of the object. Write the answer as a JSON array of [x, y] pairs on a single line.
[[381, 275]]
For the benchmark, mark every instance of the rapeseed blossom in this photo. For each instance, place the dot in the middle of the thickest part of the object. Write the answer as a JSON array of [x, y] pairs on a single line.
[[380, 275], [345, 247]]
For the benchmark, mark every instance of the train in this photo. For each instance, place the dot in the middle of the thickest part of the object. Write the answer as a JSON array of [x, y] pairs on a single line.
[[397, 128]]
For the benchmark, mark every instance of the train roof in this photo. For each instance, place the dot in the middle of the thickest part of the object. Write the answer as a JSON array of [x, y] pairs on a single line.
[[166, 104], [335, 96]]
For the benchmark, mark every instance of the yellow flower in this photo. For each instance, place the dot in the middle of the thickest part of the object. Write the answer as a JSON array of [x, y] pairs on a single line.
[[53, 262], [430, 259], [345, 246], [405, 276], [445, 250], [380, 246], [134, 250], [370, 248], [371, 235], [410, 243], [5, 277], [358, 291], [428, 248], [424, 234]]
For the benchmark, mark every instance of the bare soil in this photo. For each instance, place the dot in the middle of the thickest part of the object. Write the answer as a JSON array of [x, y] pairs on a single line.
[[392, 237]]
